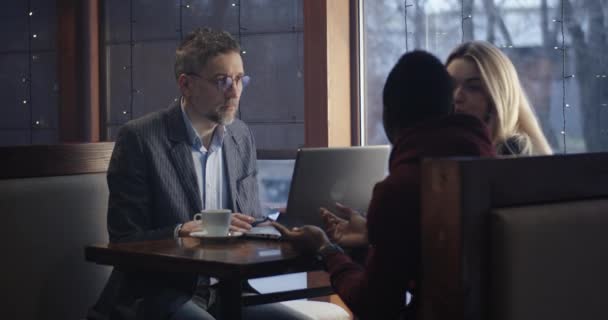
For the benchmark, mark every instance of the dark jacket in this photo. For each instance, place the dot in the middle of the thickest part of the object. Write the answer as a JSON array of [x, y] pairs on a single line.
[[377, 290], [512, 146]]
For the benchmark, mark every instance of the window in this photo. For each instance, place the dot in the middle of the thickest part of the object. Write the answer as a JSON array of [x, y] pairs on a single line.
[[528, 31], [140, 41], [274, 181], [28, 79]]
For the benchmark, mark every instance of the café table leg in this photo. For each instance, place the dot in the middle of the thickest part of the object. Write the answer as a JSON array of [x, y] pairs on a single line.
[[231, 304]]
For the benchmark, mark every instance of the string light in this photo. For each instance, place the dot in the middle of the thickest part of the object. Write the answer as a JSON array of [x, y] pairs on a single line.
[[296, 33], [463, 19], [180, 30], [28, 101], [564, 76], [405, 6]]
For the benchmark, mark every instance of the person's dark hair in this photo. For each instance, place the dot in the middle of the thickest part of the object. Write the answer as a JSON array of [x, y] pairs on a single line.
[[201, 45], [417, 88]]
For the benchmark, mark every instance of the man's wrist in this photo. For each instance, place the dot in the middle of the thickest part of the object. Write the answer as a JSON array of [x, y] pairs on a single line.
[[177, 230]]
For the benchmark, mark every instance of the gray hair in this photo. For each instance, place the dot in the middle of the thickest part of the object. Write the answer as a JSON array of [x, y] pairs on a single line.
[[201, 45]]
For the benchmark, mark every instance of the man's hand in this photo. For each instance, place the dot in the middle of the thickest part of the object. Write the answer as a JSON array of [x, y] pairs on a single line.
[[240, 222], [306, 239], [350, 230], [190, 226]]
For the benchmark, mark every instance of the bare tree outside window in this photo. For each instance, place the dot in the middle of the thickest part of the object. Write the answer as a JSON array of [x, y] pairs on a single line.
[[529, 32], [587, 27]]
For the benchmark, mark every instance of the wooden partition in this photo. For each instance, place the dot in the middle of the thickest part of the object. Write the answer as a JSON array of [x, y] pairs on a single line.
[[54, 160], [458, 196]]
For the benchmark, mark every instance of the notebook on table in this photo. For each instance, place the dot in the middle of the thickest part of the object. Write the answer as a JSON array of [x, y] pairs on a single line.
[[324, 176]]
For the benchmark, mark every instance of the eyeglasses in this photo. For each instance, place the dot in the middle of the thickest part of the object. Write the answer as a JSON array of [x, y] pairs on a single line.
[[224, 83]]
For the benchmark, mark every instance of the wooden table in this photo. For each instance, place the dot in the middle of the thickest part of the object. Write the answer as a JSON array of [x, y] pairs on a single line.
[[230, 262]]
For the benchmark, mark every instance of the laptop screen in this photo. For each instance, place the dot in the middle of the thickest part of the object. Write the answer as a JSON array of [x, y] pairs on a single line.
[[324, 176]]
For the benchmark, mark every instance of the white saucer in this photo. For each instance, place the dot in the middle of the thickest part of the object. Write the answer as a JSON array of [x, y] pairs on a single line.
[[203, 235]]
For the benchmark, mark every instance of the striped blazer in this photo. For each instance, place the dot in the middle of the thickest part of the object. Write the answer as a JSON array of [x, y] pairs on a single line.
[[153, 188], [152, 180]]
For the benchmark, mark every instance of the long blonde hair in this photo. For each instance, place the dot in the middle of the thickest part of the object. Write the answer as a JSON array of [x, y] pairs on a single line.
[[515, 119]]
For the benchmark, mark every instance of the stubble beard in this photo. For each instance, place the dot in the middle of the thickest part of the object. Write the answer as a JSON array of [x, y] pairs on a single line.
[[222, 117]]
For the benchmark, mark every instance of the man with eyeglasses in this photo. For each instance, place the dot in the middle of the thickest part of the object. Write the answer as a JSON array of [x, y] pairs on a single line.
[[171, 164]]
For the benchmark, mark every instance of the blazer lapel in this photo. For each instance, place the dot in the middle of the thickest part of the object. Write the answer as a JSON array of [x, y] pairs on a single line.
[[182, 159], [181, 155], [231, 159]]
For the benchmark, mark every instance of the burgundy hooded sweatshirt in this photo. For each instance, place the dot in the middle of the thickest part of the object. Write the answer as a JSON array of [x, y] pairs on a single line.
[[377, 290]]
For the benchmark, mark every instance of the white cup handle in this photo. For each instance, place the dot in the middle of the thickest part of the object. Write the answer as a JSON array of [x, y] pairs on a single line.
[[199, 218]]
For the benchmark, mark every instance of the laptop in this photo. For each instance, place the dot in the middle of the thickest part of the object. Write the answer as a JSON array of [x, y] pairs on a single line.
[[324, 176]]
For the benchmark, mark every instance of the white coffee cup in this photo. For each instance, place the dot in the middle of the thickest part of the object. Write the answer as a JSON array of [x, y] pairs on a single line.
[[215, 222]]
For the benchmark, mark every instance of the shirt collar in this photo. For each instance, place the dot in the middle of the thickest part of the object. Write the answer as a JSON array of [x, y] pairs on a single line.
[[193, 137]]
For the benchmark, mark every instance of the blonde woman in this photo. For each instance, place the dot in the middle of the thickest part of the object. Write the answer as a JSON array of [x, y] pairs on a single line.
[[487, 86]]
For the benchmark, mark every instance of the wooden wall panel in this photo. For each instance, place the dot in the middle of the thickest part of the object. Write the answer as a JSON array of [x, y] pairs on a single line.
[[327, 83], [71, 124], [54, 160]]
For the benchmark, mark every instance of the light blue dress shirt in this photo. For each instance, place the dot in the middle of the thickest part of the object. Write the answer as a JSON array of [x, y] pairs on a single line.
[[209, 166]]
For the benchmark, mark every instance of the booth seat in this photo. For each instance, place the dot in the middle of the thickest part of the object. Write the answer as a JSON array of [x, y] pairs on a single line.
[[515, 238], [51, 209]]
